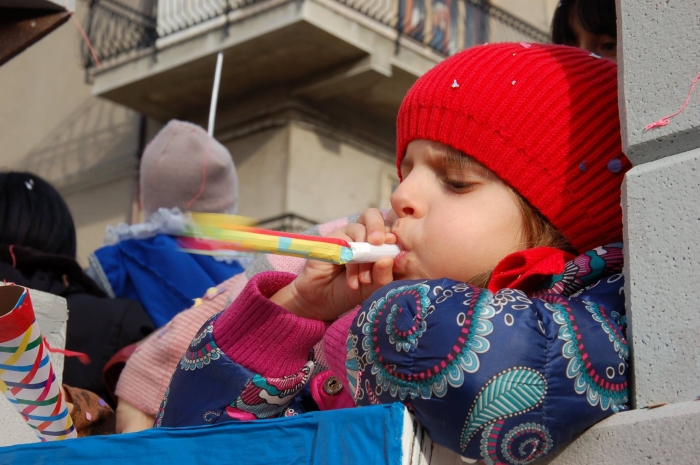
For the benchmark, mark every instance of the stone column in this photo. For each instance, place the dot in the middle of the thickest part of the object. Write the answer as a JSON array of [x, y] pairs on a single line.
[[659, 54], [659, 57]]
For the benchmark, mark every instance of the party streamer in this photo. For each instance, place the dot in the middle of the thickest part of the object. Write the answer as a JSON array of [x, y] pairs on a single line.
[[218, 234], [27, 377]]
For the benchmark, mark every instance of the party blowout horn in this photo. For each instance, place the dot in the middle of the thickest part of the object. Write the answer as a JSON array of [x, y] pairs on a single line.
[[219, 234], [26, 374]]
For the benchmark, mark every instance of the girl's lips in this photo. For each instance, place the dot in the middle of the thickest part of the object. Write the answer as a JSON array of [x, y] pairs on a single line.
[[399, 259]]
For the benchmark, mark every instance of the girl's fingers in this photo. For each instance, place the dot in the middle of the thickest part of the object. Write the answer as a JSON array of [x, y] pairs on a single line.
[[374, 224], [382, 272], [389, 220], [366, 272], [355, 232], [389, 238], [352, 272]]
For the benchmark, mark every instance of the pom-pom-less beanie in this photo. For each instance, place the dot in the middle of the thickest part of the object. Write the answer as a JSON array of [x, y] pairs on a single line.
[[185, 168], [544, 118]]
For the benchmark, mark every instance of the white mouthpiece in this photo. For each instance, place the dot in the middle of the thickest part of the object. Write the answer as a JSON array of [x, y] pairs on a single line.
[[364, 252]]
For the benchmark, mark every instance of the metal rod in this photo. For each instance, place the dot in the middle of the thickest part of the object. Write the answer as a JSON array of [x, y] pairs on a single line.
[[215, 93]]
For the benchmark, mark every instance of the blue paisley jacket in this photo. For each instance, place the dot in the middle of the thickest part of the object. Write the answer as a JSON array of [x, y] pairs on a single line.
[[503, 377]]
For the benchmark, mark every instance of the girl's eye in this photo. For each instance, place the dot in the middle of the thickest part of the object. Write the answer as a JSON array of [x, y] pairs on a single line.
[[458, 185]]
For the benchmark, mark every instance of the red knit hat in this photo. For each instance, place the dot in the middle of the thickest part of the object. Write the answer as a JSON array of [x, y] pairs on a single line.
[[544, 118]]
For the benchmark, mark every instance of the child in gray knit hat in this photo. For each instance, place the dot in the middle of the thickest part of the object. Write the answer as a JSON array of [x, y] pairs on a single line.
[[182, 169]]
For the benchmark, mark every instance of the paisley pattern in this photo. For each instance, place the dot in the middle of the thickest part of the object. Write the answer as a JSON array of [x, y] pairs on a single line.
[[584, 271], [489, 443], [352, 367], [205, 331], [194, 359], [210, 416], [522, 445], [513, 298], [618, 340], [587, 381], [462, 358], [161, 409], [512, 392], [526, 443], [406, 339], [269, 397]]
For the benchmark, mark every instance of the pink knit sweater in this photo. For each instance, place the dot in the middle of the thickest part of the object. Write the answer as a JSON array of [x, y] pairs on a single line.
[[266, 339]]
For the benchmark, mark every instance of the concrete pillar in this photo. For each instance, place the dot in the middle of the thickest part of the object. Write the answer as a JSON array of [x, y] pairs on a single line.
[[662, 221], [659, 56], [659, 53]]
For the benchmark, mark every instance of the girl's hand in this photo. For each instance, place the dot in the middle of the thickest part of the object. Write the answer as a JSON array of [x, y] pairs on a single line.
[[324, 291]]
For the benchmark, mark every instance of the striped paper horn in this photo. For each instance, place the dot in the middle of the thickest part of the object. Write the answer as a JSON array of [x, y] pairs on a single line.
[[223, 235], [215, 233], [27, 377]]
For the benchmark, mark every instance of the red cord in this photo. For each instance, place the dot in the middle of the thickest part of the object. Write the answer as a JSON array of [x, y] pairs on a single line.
[[204, 176], [666, 119], [84, 359], [85, 37], [12, 254]]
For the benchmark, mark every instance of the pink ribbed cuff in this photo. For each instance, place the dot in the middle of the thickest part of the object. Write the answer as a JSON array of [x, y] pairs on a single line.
[[262, 336], [335, 344]]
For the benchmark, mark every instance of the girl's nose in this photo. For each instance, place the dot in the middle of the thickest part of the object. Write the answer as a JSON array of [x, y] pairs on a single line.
[[408, 199]]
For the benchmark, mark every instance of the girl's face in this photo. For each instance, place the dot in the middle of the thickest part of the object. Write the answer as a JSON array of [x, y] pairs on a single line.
[[455, 218], [600, 44]]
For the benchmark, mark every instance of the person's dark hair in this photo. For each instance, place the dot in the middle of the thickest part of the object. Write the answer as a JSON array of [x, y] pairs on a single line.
[[33, 214], [596, 16]]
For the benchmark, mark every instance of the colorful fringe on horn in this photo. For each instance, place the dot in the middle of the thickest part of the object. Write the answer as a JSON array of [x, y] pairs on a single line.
[[217, 234], [27, 377]]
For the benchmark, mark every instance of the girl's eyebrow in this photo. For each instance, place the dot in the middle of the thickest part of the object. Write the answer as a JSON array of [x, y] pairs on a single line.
[[450, 159], [466, 164], [433, 157]]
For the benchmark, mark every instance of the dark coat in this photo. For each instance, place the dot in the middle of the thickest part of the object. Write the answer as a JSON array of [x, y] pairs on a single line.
[[97, 325]]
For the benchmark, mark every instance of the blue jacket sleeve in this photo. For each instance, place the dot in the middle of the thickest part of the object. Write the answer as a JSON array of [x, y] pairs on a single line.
[[208, 387], [500, 377]]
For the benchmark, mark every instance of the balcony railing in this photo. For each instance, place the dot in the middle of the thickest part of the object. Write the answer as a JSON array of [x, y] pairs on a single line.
[[289, 222], [120, 27]]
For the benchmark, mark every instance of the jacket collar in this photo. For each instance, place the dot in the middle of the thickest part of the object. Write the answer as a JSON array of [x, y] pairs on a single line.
[[546, 269]]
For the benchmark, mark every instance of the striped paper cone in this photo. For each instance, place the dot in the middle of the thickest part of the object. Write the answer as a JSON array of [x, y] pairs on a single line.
[[26, 375]]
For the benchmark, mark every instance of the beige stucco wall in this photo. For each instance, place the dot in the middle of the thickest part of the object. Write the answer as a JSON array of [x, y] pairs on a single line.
[[316, 173], [536, 12], [96, 208], [261, 163], [329, 177]]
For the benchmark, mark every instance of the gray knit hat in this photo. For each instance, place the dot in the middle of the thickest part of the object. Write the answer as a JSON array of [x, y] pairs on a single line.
[[185, 168]]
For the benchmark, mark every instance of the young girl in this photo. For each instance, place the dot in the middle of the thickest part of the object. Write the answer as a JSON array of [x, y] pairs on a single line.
[[587, 24], [488, 326]]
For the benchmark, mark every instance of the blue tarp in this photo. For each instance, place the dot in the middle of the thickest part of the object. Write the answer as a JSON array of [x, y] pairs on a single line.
[[365, 435]]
